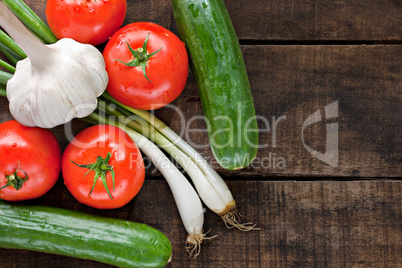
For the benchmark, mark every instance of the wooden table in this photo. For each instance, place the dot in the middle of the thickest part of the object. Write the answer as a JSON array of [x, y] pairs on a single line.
[[315, 207]]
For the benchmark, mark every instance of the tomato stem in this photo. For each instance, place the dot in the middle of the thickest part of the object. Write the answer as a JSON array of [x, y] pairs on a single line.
[[15, 180], [141, 57], [101, 167]]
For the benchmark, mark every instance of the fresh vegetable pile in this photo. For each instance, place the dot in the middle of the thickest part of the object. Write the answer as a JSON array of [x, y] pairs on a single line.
[[142, 67]]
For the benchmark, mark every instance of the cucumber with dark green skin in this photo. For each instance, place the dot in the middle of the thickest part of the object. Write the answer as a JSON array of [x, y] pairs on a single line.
[[220, 73], [71, 233]]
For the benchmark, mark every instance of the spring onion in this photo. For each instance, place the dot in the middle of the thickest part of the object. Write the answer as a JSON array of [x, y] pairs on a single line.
[[187, 200], [212, 189]]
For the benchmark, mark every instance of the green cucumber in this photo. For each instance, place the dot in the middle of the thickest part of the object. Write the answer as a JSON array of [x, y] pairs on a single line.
[[220, 73], [72, 233]]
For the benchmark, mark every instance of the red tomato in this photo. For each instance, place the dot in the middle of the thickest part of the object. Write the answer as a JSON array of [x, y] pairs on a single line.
[[86, 21], [30, 161], [110, 152], [166, 71]]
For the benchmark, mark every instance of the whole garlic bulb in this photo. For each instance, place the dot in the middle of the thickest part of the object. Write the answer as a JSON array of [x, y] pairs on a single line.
[[66, 85], [56, 82]]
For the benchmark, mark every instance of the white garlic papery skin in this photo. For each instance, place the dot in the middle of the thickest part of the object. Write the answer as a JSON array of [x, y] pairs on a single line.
[[63, 85]]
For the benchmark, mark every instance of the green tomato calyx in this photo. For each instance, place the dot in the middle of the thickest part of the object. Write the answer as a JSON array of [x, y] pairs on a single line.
[[140, 57], [15, 180], [101, 167]]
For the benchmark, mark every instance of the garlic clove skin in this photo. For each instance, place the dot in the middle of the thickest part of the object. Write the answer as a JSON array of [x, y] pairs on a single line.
[[61, 86]]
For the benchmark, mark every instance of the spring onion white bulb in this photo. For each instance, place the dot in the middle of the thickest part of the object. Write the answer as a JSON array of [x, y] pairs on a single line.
[[212, 189], [56, 82], [186, 198]]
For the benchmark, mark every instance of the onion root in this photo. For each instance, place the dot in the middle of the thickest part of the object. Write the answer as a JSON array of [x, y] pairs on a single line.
[[232, 219], [193, 243]]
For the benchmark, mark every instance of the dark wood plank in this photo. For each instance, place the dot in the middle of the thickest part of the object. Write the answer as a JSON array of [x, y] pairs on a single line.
[[303, 224], [289, 84], [323, 20], [331, 224], [316, 20]]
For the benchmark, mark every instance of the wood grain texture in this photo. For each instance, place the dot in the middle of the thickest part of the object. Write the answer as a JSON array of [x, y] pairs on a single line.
[[331, 224], [303, 224], [316, 20], [287, 20]]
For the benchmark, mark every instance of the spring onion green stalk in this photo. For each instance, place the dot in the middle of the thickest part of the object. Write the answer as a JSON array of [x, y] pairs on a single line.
[[31, 20], [56, 82], [3, 90], [9, 54], [212, 189], [4, 77], [10, 43], [7, 66], [187, 200]]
